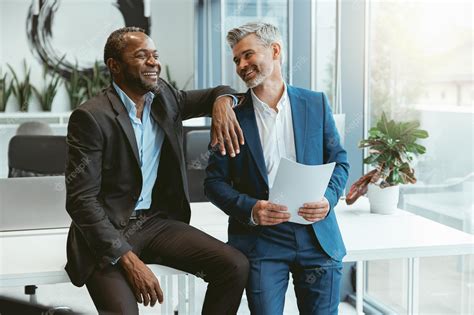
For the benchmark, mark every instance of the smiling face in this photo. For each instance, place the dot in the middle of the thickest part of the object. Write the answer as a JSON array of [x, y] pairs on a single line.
[[255, 62], [138, 67]]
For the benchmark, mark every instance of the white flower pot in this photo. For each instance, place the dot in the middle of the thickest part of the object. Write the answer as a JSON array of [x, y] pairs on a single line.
[[383, 200]]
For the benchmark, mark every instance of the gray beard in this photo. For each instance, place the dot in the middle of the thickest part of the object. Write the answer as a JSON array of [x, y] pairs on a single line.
[[259, 78]]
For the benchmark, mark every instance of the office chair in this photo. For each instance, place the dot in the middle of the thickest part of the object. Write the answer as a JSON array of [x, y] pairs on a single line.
[[38, 155], [34, 128], [196, 141]]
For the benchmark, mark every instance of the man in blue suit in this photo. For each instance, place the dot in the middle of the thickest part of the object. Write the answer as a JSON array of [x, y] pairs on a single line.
[[280, 121]]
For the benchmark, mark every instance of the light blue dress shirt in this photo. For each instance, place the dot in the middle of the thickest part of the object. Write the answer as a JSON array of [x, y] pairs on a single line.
[[149, 137]]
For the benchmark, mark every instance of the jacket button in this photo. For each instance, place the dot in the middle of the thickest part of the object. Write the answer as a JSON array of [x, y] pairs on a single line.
[[266, 191], [123, 223]]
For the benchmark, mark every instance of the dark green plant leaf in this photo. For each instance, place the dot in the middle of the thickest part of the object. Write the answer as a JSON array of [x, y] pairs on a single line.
[[420, 133], [392, 146]]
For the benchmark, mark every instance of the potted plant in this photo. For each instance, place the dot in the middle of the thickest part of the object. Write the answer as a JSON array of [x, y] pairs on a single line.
[[96, 79], [392, 146], [76, 88], [22, 89], [46, 95], [5, 91]]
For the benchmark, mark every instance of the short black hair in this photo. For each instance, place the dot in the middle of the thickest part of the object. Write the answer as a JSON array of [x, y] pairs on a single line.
[[116, 44]]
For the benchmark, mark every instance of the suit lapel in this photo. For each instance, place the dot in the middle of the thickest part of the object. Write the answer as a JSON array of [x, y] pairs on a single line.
[[124, 121], [299, 115], [162, 117], [248, 123]]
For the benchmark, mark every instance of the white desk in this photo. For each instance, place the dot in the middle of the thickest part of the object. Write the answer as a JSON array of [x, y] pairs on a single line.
[[38, 257], [25, 259], [371, 237]]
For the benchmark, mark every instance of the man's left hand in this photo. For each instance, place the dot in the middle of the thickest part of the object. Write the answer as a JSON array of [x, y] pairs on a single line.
[[315, 211], [225, 128]]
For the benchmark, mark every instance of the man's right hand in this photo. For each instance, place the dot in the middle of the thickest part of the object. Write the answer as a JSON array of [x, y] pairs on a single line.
[[267, 213], [145, 286]]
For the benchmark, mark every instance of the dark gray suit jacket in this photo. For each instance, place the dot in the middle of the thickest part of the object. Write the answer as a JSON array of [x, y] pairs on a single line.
[[103, 177]]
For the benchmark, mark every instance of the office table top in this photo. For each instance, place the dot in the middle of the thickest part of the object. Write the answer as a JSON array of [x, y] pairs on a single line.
[[39, 256], [368, 236]]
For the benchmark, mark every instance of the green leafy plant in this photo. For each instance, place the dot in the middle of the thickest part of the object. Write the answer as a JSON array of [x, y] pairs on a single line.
[[168, 76], [51, 82], [76, 88], [96, 80], [22, 89], [5, 91], [392, 146]]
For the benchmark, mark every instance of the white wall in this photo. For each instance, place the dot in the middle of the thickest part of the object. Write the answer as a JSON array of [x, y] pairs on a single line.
[[81, 28], [172, 29]]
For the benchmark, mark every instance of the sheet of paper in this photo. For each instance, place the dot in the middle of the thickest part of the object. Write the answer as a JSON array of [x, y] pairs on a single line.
[[296, 184]]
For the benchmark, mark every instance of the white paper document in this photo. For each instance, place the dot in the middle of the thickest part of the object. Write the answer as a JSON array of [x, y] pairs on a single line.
[[296, 184]]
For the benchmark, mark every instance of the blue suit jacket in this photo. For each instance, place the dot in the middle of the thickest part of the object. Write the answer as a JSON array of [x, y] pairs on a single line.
[[236, 184]]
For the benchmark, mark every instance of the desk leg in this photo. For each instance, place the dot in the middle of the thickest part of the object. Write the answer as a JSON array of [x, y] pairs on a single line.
[[164, 288], [467, 290], [413, 285], [181, 294], [192, 294], [360, 287], [31, 291], [170, 294]]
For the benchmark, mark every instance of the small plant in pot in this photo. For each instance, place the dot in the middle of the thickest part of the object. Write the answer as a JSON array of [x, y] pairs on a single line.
[[51, 82], [392, 146], [5, 90], [22, 89]]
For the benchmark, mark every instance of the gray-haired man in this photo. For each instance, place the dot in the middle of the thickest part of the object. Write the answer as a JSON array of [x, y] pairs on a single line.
[[280, 121]]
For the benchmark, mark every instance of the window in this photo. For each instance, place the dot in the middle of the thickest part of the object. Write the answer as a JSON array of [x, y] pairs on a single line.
[[417, 50], [240, 12], [324, 49]]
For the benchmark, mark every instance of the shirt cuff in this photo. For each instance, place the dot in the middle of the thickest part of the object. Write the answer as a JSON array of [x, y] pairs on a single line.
[[252, 221], [235, 100]]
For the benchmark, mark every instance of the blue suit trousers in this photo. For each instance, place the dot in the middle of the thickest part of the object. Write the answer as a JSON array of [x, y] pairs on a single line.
[[283, 249]]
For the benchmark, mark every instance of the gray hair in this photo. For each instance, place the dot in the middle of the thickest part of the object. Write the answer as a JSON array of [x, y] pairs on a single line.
[[267, 34]]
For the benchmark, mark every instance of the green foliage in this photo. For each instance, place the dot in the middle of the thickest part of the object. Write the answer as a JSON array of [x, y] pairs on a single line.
[[168, 77], [22, 89], [5, 91], [96, 80], [76, 88], [51, 82], [392, 146]]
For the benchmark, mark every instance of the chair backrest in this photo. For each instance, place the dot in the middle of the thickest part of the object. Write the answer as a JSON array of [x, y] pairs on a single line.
[[30, 156], [34, 128], [196, 141]]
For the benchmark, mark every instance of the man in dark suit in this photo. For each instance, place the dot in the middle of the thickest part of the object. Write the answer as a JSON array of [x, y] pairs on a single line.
[[127, 188], [280, 121]]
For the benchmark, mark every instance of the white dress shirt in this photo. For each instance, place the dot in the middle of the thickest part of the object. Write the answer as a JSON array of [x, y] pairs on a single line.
[[276, 132]]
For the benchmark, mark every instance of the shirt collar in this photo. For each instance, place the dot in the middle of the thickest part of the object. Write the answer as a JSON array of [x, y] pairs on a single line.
[[262, 106], [129, 104]]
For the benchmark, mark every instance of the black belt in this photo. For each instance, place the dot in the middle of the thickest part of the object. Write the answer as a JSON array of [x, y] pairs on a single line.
[[139, 213]]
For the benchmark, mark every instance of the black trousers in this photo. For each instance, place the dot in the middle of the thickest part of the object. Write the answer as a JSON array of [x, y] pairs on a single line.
[[181, 246]]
